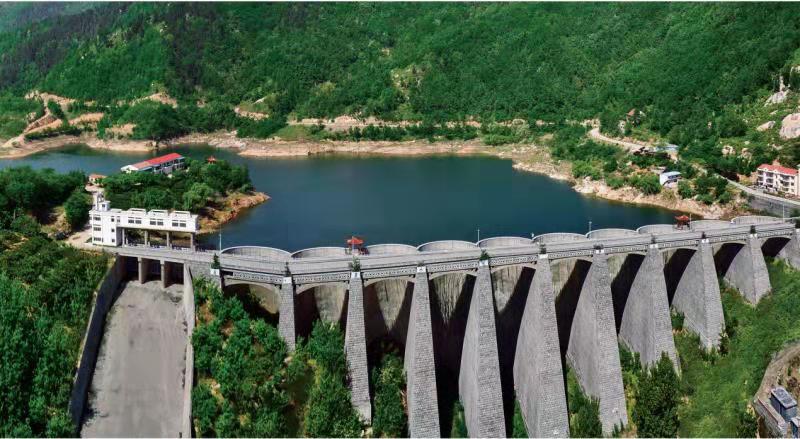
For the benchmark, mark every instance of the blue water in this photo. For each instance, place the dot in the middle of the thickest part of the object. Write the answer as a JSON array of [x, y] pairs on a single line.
[[320, 201]]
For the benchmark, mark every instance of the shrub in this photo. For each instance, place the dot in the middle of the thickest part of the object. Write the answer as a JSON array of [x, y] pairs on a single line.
[[647, 183], [657, 399], [76, 209], [584, 411], [389, 384], [685, 189], [615, 181]]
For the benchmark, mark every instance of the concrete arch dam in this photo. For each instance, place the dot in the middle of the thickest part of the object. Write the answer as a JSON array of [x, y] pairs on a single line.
[[503, 315]]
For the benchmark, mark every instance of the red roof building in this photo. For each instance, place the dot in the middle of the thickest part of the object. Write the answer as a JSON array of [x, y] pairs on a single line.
[[776, 178], [778, 169], [164, 164]]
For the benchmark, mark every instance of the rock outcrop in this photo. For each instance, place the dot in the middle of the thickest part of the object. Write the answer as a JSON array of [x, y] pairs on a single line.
[[766, 126], [790, 126]]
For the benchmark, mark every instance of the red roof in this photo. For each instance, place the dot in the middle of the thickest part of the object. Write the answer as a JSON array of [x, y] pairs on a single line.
[[164, 158], [157, 160], [355, 240], [776, 168]]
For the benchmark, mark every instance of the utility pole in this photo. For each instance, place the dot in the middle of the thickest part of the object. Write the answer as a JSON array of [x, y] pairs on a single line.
[[220, 239], [590, 226], [479, 235]]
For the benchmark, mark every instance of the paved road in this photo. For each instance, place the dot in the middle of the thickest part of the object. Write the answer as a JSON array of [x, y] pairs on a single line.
[[632, 146], [137, 389], [790, 204]]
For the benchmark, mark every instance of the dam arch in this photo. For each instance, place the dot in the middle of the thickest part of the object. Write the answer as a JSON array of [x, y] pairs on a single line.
[[260, 299]]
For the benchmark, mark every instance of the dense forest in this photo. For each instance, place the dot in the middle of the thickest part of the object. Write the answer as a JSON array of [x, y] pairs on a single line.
[[681, 62], [46, 289]]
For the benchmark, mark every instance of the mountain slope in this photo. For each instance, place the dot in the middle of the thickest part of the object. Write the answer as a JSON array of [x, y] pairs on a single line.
[[414, 61]]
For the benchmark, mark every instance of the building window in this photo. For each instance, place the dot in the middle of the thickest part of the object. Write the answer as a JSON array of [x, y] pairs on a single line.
[[97, 218], [181, 224], [156, 222], [97, 228], [97, 239], [112, 239]]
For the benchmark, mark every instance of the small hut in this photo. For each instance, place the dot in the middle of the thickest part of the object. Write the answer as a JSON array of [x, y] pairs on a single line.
[[682, 222], [355, 245]]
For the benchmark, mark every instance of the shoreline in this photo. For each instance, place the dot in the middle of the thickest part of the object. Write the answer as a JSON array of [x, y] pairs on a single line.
[[524, 157]]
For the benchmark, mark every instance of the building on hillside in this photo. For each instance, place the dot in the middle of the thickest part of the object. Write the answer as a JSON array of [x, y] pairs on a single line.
[[783, 403], [116, 227], [164, 164], [95, 179], [669, 178], [777, 178]]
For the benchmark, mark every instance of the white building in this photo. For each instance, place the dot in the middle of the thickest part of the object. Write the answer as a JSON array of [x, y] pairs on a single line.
[[164, 164], [110, 226], [669, 178], [778, 179]]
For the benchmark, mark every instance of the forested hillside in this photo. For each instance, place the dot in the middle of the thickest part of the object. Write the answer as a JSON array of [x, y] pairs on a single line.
[[681, 63]]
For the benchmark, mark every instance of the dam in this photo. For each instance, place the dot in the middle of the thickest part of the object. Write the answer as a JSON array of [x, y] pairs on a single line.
[[505, 315]]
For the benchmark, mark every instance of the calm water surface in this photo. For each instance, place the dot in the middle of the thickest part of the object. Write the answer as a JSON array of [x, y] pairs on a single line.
[[320, 201]]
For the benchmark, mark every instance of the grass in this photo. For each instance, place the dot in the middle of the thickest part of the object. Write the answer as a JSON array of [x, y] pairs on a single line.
[[295, 133], [253, 107], [717, 386]]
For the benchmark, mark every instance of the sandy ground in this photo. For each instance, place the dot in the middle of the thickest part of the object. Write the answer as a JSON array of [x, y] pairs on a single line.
[[137, 389]]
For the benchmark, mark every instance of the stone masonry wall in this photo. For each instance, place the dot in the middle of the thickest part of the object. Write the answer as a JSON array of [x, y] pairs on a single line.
[[697, 296], [355, 348], [479, 379], [747, 271], [538, 373], [646, 326], [593, 351], [423, 407]]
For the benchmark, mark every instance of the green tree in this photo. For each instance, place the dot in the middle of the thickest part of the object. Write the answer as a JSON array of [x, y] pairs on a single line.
[[197, 196], [647, 183], [747, 423], [76, 209], [657, 399], [56, 110], [204, 410], [584, 411], [389, 418], [329, 412], [685, 189]]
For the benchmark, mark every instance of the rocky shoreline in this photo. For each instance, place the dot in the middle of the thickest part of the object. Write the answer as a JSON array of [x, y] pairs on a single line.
[[525, 157], [228, 209]]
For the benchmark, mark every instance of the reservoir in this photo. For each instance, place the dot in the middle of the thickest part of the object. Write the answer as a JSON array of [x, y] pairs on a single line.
[[320, 201]]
